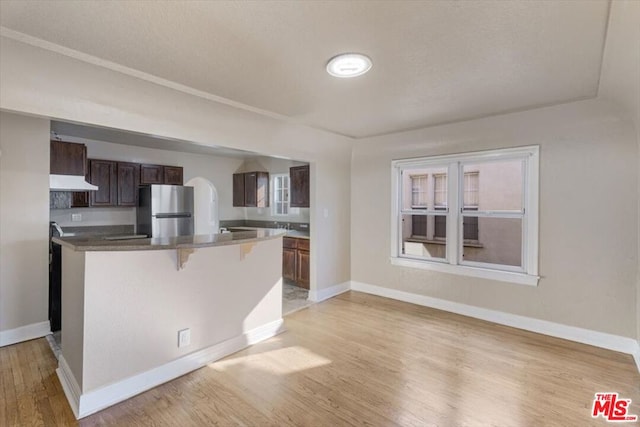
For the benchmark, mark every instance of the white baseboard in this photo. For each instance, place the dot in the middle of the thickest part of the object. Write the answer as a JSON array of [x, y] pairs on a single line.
[[571, 333], [69, 384], [84, 404], [326, 293], [24, 333], [636, 355]]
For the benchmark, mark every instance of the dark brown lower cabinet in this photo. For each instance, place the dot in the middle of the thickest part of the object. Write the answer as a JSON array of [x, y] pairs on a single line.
[[296, 260], [289, 263], [302, 268]]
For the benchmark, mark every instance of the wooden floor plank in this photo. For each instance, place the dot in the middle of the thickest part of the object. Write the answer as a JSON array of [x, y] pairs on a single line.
[[355, 359]]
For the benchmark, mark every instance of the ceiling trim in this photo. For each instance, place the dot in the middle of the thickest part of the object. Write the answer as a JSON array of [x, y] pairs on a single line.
[[482, 116], [94, 60]]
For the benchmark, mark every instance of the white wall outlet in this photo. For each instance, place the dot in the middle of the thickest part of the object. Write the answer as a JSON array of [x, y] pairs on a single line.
[[184, 337], [77, 217]]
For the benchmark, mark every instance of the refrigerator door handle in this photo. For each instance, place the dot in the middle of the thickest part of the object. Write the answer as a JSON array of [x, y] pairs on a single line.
[[172, 215]]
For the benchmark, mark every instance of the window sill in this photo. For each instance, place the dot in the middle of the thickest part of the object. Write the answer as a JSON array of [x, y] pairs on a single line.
[[442, 242], [463, 270]]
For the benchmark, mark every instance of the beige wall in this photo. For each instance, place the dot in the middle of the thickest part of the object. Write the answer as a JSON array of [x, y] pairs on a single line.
[[588, 255], [73, 309], [24, 220], [139, 300], [620, 78], [218, 170], [588, 221], [47, 84]]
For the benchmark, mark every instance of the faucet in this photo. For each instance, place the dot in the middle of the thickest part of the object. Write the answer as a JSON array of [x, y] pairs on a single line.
[[58, 228]]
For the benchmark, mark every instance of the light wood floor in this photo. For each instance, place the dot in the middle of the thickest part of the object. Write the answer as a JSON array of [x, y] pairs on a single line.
[[354, 360]]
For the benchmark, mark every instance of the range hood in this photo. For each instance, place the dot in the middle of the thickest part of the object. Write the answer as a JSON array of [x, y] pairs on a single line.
[[69, 183]]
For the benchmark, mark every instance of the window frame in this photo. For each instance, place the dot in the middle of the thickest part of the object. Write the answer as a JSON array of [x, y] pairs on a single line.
[[527, 274], [274, 204]]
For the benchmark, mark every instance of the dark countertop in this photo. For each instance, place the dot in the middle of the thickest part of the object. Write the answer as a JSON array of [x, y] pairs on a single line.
[[289, 233], [297, 234], [93, 243]]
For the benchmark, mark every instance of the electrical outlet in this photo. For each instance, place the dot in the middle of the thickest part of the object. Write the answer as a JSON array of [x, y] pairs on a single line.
[[77, 217], [184, 337]]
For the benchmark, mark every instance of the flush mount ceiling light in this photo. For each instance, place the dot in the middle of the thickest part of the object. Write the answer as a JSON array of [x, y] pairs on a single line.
[[348, 65]]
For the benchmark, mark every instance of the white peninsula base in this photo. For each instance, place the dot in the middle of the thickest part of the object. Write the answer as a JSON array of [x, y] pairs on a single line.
[[122, 310]]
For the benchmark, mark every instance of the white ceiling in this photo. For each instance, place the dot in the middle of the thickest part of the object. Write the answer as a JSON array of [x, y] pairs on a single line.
[[434, 61]]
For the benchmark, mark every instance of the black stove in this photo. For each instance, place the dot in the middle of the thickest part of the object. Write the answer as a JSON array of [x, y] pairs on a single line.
[[55, 279]]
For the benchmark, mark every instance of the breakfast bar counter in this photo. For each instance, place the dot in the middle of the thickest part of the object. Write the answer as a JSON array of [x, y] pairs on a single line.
[[95, 243], [125, 305]]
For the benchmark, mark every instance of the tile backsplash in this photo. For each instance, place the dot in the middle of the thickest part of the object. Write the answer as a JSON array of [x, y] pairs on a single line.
[[60, 199]]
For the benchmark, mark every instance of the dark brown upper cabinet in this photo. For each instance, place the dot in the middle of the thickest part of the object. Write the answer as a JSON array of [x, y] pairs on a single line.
[[68, 158], [159, 174], [251, 189], [128, 182], [238, 189], [173, 175], [299, 193], [103, 174], [81, 199], [256, 189], [117, 185], [151, 174], [118, 182]]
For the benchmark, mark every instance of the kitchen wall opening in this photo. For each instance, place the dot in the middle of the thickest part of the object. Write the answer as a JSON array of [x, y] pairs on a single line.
[[234, 191]]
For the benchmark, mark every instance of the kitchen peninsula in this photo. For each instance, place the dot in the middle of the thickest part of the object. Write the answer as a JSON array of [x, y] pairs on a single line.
[[124, 304]]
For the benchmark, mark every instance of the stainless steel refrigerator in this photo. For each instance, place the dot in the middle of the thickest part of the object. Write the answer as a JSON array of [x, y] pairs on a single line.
[[165, 211]]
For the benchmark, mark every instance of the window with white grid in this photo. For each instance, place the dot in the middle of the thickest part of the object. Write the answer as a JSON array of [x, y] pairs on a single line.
[[281, 194], [463, 226]]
